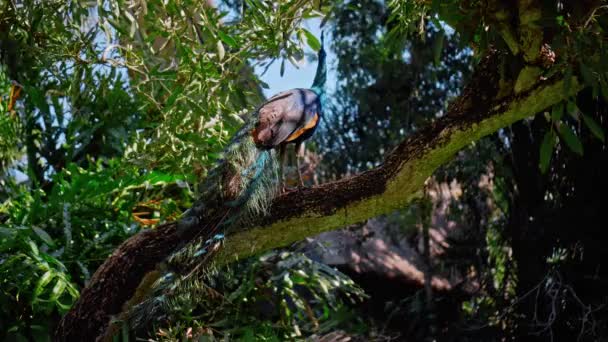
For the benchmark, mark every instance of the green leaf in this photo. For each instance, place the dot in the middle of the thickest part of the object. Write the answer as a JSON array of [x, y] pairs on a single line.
[[567, 80], [312, 41], [58, 289], [594, 127], [571, 139], [572, 109], [546, 150], [176, 91], [220, 50], [33, 247], [44, 236], [43, 282], [229, 40], [557, 112]]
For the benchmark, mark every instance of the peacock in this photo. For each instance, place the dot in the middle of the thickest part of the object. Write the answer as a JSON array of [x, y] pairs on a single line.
[[292, 117], [239, 189]]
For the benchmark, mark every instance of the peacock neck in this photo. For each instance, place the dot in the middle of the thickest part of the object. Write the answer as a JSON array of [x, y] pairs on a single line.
[[319, 90], [318, 84]]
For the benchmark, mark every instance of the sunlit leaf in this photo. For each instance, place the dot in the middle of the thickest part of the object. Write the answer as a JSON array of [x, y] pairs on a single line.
[[229, 40], [220, 50], [43, 282], [58, 289], [33, 247], [312, 41]]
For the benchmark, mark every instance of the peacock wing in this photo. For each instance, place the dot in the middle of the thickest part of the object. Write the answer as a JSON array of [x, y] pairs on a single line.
[[278, 118]]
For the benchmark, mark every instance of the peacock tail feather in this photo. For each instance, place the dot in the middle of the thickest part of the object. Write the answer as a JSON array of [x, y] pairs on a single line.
[[240, 188]]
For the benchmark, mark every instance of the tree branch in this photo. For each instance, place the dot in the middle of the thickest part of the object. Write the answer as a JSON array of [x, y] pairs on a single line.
[[391, 186], [482, 109]]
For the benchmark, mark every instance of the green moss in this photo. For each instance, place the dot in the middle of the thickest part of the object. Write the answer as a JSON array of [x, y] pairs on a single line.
[[405, 186], [527, 78]]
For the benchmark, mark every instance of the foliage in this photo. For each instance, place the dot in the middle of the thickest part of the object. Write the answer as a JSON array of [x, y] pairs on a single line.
[[9, 127], [117, 111], [50, 243], [387, 90], [277, 296], [375, 110], [193, 108]]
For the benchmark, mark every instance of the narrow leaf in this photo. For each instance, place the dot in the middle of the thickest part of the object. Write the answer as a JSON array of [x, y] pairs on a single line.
[[264, 84], [293, 62], [594, 127], [572, 109], [43, 282], [282, 71], [557, 112], [220, 50], [58, 289], [44, 236], [33, 247], [312, 41], [546, 150], [227, 39], [571, 139]]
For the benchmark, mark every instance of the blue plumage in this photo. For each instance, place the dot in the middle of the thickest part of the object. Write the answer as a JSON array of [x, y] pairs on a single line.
[[291, 117], [240, 188]]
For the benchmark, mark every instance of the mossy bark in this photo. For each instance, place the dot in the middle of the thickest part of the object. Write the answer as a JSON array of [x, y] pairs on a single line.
[[313, 216]]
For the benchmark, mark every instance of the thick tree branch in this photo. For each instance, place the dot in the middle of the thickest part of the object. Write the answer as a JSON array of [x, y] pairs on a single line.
[[482, 109], [297, 215]]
